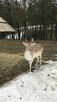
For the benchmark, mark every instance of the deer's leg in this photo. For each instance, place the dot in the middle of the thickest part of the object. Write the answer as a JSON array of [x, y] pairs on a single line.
[[37, 61], [30, 64], [40, 58]]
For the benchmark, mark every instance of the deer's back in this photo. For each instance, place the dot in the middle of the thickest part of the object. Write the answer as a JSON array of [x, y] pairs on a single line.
[[36, 48]]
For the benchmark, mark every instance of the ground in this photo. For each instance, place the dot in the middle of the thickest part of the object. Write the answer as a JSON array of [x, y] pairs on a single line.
[[12, 62], [37, 86]]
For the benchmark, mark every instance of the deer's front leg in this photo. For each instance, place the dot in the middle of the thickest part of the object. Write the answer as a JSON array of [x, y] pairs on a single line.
[[37, 61], [30, 65]]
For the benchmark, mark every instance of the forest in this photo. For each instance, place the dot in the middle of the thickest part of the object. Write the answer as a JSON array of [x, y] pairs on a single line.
[[34, 18]]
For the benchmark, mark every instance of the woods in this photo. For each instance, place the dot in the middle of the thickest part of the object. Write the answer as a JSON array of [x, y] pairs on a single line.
[[34, 18]]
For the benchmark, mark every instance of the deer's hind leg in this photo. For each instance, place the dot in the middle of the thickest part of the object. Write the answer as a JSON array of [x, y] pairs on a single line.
[[40, 60]]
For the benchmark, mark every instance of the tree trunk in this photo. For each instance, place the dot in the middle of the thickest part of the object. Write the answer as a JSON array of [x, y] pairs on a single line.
[[56, 31]]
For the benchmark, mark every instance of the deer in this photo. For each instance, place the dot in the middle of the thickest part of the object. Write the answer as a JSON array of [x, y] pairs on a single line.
[[33, 50]]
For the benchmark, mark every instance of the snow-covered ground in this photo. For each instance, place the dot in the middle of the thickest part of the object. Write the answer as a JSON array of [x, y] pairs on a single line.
[[37, 86]]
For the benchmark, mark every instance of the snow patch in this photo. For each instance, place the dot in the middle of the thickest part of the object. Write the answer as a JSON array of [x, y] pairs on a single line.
[[37, 86]]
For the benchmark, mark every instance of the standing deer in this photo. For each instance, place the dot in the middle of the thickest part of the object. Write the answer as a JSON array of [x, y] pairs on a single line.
[[32, 51]]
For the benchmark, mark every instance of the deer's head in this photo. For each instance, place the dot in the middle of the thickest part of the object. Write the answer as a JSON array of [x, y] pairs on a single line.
[[29, 45]]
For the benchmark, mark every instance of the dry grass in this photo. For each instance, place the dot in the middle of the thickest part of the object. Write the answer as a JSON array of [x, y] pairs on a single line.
[[50, 49], [12, 62]]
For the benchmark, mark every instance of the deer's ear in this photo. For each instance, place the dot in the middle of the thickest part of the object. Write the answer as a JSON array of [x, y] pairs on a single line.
[[33, 44], [25, 44]]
